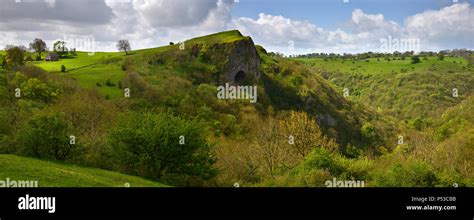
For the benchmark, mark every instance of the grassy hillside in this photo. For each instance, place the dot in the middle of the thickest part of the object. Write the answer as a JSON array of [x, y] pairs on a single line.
[[301, 132], [91, 71], [398, 88], [55, 174], [374, 66]]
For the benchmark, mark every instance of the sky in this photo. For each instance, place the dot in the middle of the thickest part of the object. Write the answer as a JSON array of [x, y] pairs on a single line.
[[286, 26]]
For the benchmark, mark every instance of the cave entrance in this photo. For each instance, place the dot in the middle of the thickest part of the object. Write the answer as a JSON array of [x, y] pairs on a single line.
[[240, 77]]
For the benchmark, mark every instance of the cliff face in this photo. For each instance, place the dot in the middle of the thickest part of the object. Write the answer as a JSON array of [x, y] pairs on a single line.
[[237, 60], [243, 62]]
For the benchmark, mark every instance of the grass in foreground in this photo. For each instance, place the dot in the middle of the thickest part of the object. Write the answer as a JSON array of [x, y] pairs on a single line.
[[55, 174]]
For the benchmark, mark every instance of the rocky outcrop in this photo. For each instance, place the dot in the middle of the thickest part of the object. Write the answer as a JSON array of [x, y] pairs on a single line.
[[237, 60], [243, 62]]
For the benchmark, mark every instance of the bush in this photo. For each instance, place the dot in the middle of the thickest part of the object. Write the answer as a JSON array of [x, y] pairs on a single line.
[[109, 83], [45, 135], [63, 68], [37, 90], [415, 60], [409, 173], [416, 123], [148, 145], [337, 165]]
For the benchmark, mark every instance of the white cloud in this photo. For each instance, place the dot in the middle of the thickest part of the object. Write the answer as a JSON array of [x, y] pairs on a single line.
[[148, 23], [448, 28], [451, 27]]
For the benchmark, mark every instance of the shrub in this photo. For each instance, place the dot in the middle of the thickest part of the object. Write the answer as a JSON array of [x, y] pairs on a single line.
[[38, 90], [415, 60], [45, 135], [322, 165], [416, 123], [408, 173], [63, 68], [148, 145], [109, 83]]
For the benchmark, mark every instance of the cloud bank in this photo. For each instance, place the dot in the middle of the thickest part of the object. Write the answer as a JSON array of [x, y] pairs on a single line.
[[152, 23]]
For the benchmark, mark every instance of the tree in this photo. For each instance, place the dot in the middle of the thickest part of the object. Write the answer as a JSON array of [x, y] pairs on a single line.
[[15, 56], [39, 46], [46, 135], [368, 132], [415, 60], [306, 134], [270, 146], [37, 90], [123, 46], [162, 146], [3, 63], [60, 48], [441, 56]]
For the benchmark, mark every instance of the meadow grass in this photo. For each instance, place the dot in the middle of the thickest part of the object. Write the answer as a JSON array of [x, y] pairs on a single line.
[[374, 66], [56, 174], [91, 70], [93, 76], [83, 59]]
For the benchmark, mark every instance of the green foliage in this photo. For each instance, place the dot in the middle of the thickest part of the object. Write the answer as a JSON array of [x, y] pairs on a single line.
[[38, 90], [60, 48], [337, 165], [109, 83], [415, 60], [14, 57], [151, 145], [410, 173], [322, 165], [39, 46], [416, 123], [441, 56], [45, 135], [368, 131]]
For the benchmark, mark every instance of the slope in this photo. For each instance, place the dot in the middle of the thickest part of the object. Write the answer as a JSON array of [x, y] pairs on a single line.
[[55, 174]]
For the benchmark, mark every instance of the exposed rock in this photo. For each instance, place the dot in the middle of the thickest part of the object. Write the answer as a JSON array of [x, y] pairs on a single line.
[[243, 61], [326, 119], [239, 60]]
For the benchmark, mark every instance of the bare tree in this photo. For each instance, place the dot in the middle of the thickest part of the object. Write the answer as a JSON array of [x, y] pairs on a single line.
[[123, 46]]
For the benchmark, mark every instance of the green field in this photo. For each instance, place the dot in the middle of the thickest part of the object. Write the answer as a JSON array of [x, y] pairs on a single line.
[[56, 174], [100, 73], [374, 66], [91, 71], [397, 87], [83, 59]]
